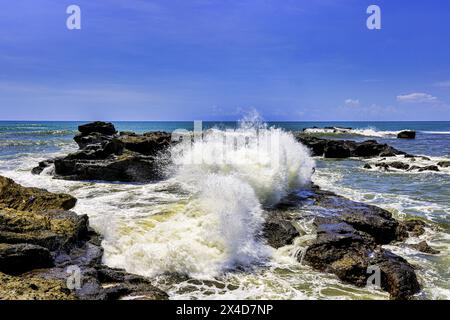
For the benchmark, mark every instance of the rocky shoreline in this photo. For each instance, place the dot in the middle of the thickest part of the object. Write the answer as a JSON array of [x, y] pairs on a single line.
[[349, 239], [43, 244], [40, 237]]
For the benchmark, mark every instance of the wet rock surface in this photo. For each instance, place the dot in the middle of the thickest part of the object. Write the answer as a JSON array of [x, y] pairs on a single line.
[[415, 227], [406, 134], [105, 155], [42, 243], [15, 196], [444, 164], [279, 231], [349, 241], [346, 148]]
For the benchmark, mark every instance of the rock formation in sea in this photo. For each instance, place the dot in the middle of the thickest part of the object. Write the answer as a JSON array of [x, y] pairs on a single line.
[[349, 240], [105, 155], [407, 134], [42, 242], [346, 148], [408, 163]]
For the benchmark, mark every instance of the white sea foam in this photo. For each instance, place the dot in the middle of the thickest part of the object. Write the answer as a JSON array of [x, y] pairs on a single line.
[[415, 164], [369, 132], [436, 132]]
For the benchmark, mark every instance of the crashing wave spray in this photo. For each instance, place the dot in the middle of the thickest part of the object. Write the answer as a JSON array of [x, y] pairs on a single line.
[[231, 175]]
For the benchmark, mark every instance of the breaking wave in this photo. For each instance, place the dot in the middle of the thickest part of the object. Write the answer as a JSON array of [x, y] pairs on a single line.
[[230, 176]]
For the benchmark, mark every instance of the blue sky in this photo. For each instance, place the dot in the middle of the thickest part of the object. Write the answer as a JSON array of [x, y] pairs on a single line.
[[214, 59]]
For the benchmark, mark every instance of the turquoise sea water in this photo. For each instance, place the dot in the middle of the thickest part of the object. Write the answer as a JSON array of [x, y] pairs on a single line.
[[426, 195]]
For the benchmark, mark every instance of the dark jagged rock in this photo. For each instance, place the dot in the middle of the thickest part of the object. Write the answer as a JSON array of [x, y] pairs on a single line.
[[372, 220], [126, 168], [396, 165], [279, 231], [367, 166], [399, 165], [444, 164], [342, 250], [104, 155], [346, 148], [147, 144], [40, 247], [415, 226], [397, 275], [337, 149], [94, 138], [316, 145], [18, 258], [424, 247], [371, 148], [429, 168], [407, 134], [105, 128], [349, 239], [42, 165]]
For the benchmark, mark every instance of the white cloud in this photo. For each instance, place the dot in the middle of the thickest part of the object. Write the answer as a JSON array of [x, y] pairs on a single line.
[[352, 102], [443, 84], [417, 97]]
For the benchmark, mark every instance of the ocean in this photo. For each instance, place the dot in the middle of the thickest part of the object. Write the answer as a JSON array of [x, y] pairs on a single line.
[[199, 222]]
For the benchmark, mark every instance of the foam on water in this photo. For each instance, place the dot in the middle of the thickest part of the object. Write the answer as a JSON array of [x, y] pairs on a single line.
[[418, 161], [369, 132]]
